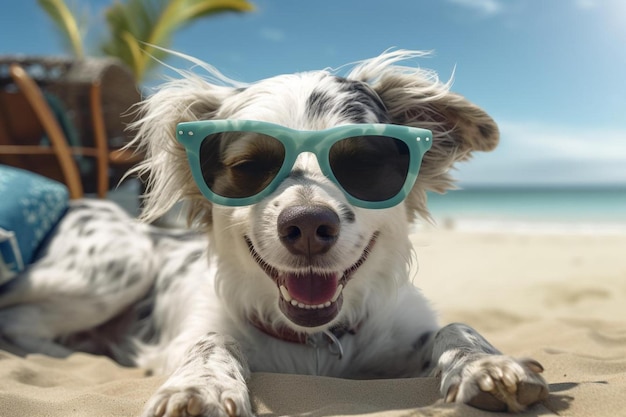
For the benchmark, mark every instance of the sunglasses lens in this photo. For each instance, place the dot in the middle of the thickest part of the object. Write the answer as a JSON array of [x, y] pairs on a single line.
[[370, 168], [240, 164]]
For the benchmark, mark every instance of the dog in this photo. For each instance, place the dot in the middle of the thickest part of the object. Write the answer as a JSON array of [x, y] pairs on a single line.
[[295, 268]]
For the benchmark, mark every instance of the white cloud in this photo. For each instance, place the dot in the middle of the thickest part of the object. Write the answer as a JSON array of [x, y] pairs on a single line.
[[484, 7], [535, 153], [567, 142], [272, 34]]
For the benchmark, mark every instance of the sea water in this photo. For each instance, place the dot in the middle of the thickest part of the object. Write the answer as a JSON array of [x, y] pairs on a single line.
[[566, 209]]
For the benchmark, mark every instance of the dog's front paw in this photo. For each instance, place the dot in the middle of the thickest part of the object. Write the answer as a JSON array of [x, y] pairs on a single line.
[[497, 383], [197, 402]]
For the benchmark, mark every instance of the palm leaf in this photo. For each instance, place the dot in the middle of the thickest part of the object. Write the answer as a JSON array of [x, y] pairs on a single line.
[[136, 25], [66, 22]]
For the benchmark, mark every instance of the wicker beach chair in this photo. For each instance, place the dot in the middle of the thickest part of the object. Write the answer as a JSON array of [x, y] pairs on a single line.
[[67, 119]]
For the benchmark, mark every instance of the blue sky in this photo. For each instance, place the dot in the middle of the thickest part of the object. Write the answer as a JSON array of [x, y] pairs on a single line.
[[552, 73]]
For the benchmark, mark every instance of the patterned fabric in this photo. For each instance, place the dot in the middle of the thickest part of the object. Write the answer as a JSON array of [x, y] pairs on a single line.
[[30, 206]]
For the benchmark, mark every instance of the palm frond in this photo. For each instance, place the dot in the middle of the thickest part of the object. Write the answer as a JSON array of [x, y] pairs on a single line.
[[137, 24], [66, 23]]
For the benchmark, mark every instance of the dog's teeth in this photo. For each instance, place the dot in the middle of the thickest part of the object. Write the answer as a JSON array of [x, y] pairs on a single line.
[[285, 293], [295, 303], [337, 293]]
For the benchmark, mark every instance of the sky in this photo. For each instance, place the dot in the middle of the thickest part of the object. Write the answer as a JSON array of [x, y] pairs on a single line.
[[552, 73]]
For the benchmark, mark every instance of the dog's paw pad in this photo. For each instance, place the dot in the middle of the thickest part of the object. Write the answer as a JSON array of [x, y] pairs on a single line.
[[530, 392], [487, 401]]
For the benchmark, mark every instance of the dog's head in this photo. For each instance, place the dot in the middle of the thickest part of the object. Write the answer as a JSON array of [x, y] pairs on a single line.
[[304, 256]]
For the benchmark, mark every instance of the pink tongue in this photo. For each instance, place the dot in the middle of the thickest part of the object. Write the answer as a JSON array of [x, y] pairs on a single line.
[[312, 289]]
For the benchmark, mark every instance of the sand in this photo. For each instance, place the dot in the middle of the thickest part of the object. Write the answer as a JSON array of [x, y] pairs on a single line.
[[558, 298]]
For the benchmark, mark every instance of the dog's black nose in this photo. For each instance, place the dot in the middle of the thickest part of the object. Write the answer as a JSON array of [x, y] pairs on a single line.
[[308, 230]]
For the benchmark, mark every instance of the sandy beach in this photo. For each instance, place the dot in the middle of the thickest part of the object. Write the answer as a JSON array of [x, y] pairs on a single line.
[[560, 298]]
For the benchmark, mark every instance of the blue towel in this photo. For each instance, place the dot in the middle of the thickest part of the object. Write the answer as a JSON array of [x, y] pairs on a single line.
[[30, 206]]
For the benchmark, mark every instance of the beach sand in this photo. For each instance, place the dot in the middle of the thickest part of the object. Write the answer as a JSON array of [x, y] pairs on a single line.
[[560, 299]]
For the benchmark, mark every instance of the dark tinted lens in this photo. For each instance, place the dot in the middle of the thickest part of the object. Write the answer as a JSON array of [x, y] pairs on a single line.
[[370, 168], [240, 164]]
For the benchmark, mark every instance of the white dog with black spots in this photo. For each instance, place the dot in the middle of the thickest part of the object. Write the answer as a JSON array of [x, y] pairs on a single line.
[[208, 307]]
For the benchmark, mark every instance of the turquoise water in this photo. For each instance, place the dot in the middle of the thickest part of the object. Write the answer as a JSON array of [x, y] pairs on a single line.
[[548, 205]]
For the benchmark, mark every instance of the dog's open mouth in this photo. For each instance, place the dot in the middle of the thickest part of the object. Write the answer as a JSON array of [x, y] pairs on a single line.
[[310, 298]]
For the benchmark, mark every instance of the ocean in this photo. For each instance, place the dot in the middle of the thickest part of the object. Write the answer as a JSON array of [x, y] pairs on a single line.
[[568, 209]]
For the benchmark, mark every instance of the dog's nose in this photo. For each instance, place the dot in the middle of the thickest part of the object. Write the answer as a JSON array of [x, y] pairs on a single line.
[[308, 230]]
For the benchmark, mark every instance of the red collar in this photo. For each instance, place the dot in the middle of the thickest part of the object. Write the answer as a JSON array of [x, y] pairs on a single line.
[[289, 335]]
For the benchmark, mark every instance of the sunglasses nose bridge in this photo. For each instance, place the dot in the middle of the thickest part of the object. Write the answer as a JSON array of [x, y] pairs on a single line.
[[306, 161]]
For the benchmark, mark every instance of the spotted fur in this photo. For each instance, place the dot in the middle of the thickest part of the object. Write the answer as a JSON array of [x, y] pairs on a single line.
[[204, 307]]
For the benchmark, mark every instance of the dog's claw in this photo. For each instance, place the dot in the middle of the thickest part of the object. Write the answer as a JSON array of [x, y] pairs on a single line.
[[160, 410], [509, 380], [486, 383], [231, 407], [452, 392], [533, 365], [194, 406]]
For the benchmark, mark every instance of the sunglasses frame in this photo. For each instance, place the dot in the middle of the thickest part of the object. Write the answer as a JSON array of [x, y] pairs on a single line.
[[192, 134]]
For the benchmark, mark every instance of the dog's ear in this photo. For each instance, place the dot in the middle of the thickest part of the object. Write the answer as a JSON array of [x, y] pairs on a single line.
[[415, 97], [165, 169], [459, 126]]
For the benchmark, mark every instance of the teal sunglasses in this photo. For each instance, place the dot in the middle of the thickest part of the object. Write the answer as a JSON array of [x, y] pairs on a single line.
[[240, 162]]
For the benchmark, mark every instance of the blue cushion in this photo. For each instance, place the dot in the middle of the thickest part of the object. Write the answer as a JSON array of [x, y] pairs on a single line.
[[30, 206]]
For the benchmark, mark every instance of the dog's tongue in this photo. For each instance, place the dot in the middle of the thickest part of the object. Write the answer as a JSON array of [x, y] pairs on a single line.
[[312, 288]]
